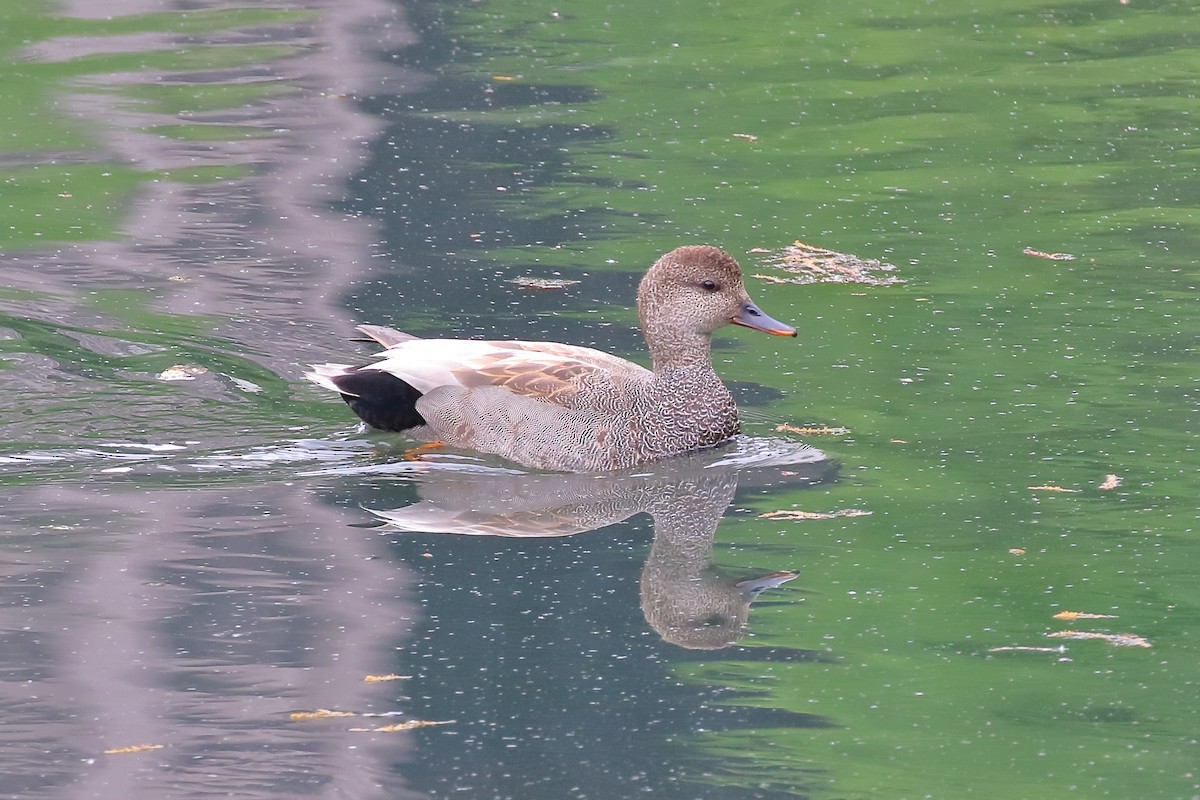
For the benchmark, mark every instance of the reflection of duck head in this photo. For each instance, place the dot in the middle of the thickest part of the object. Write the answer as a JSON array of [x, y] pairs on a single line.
[[682, 596], [703, 611]]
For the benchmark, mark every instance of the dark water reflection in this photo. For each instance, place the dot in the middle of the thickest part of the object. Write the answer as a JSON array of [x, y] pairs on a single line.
[[683, 598], [549, 626]]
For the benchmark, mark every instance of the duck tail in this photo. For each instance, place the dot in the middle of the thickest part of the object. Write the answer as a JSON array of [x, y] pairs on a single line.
[[379, 398], [388, 337]]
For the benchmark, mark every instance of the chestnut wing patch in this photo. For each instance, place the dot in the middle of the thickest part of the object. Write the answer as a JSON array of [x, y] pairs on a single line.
[[557, 380]]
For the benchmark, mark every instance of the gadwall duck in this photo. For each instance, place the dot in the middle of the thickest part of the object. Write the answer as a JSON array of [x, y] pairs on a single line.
[[562, 407]]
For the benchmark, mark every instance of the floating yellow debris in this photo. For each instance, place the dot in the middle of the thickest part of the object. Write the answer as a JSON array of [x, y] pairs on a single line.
[[381, 678], [1016, 551], [812, 430], [1029, 251], [809, 264], [1020, 648], [1110, 482], [542, 284], [749, 137], [320, 713], [1115, 639], [790, 515], [403, 726], [137, 748], [1071, 616], [1052, 489]]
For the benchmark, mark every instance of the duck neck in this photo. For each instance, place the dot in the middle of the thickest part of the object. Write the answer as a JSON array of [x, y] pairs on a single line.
[[674, 349]]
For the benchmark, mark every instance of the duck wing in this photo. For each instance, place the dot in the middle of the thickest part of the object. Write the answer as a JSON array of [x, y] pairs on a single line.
[[543, 370]]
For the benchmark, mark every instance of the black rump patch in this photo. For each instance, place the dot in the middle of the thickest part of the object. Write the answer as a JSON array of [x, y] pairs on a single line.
[[380, 399]]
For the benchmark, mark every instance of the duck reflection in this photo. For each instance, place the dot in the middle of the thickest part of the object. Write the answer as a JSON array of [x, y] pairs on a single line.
[[684, 597]]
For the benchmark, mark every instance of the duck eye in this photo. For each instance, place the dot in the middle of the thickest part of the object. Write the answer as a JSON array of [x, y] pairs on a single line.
[[709, 285]]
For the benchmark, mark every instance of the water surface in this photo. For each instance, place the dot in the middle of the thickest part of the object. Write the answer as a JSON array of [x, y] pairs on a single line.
[[188, 563]]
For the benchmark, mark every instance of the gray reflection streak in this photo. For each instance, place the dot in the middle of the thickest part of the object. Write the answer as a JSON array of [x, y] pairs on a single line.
[[262, 252], [196, 619]]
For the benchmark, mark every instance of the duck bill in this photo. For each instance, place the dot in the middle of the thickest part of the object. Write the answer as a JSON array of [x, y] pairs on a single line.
[[752, 316]]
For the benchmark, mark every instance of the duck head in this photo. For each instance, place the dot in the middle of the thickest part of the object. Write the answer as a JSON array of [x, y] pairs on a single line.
[[694, 290]]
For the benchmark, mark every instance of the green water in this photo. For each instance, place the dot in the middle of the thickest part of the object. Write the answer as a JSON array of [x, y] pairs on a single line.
[[581, 142], [945, 138]]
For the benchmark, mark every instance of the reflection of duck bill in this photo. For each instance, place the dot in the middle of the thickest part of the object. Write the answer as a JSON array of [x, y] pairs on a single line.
[[755, 586]]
